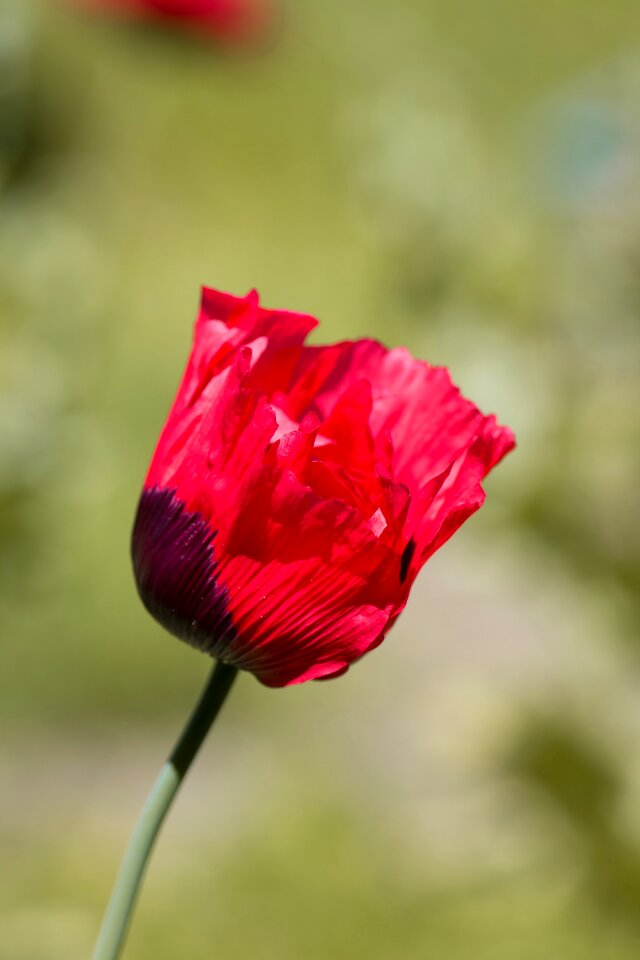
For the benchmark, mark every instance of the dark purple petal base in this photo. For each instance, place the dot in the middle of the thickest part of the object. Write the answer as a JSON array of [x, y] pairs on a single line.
[[175, 570]]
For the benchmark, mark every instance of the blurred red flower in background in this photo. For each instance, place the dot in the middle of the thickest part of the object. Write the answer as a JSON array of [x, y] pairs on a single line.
[[296, 491], [216, 19]]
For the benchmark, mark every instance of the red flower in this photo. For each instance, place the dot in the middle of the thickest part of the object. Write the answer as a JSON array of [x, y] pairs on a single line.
[[217, 19], [296, 491]]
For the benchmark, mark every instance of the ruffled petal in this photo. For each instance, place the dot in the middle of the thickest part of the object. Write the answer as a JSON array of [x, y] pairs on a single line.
[[238, 348], [416, 408], [454, 496], [311, 587]]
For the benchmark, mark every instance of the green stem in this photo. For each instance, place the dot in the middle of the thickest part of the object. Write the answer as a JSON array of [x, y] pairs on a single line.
[[116, 920]]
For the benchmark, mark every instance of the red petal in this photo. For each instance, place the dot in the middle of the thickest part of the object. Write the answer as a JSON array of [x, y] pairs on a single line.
[[311, 589], [414, 404]]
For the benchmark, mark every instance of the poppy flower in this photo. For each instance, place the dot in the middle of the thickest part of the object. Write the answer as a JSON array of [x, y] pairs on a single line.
[[216, 19], [296, 491]]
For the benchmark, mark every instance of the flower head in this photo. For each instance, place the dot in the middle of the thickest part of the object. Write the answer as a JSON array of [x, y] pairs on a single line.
[[216, 19], [296, 491]]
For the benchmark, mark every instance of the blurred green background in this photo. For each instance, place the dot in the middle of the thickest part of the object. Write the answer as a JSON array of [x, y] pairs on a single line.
[[461, 178]]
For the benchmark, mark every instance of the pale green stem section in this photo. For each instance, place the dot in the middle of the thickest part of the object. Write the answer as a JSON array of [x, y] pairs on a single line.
[[116, 921]]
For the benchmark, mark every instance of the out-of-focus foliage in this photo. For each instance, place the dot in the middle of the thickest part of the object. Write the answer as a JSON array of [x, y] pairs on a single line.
[[422, 172]]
